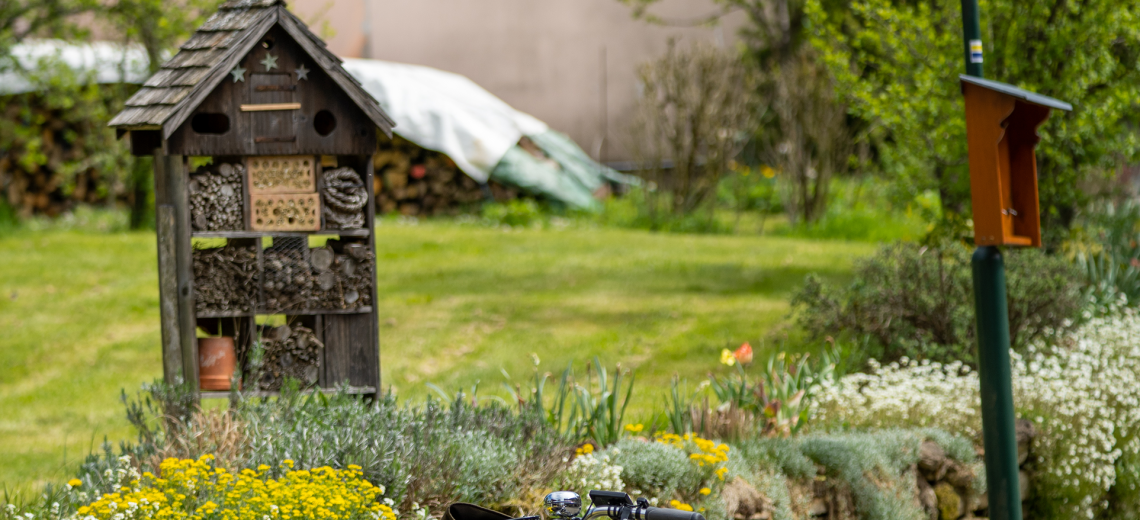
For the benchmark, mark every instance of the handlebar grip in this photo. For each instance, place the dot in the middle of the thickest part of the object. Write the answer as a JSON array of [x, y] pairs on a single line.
[[663, 513]]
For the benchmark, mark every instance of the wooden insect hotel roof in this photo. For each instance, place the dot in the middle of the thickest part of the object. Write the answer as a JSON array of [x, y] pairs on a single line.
[[169, 97]]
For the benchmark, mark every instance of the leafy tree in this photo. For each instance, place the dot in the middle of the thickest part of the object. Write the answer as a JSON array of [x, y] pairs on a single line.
[[898, 63], [159, 28], [21, 19], [68, 111]]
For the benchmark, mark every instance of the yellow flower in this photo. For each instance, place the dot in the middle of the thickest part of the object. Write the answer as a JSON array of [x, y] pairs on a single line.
[[74, 483], [705, 491], [677, 504], [634, 428], [767, 171], [727, 358], [288, 462], [720, 473]]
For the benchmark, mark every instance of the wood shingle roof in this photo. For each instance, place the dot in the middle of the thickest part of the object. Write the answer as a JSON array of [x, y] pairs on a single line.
[[171, 95]]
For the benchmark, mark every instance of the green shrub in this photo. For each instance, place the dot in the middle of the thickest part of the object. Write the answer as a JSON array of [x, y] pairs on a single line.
[[484, 460], [866, 209], [916, 301], [630, 211], [1107, 250], [781, 454], [860, 460], [655, 468], [515, 213]]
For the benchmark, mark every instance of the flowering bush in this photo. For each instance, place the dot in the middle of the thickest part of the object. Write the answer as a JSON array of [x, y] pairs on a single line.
[[197, 490], [593, 471], [703, 452], [682, 471], [1082, 395]]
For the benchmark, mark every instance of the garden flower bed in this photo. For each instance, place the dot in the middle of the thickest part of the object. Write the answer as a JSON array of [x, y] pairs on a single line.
[[802, 440]]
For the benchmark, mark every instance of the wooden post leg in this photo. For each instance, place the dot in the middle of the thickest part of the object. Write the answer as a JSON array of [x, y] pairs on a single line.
[[177, 178], [172, 371], [370, 223]]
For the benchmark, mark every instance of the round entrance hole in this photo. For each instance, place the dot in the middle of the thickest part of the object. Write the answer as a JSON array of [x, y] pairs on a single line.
[[324, 122]]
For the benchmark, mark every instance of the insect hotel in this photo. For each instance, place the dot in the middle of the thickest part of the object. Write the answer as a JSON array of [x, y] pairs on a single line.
[[262, 148]]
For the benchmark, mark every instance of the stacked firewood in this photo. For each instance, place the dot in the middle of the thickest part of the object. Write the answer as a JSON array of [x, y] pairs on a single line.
[[416, 181], [343, 281], [216, 197], [225, 279], [54, 156], [289, 352]]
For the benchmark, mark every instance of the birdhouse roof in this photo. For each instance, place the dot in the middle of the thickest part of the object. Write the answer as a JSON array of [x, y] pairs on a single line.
[[172, 94], [1019, 93]]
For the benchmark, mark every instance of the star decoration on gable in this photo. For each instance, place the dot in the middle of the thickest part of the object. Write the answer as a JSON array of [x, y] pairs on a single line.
[[270, 62], [302, 72], [239, 74]]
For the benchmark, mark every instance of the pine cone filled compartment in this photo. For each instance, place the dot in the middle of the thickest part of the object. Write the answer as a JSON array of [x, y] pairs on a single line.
[[225, 278]]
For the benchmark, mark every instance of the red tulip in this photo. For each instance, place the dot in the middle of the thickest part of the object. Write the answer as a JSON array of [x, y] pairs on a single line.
[[743, 354]]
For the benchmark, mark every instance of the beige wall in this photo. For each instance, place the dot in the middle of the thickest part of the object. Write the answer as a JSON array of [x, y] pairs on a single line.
[[544, 57]]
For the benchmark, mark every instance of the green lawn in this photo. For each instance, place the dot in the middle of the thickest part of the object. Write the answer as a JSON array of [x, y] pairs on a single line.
[[458, 304]]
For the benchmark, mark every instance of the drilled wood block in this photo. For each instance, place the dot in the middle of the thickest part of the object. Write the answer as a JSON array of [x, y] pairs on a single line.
[[285, 212], [281, 174]]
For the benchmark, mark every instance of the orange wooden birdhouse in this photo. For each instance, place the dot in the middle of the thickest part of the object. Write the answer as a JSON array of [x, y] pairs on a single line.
[[1001, 133]]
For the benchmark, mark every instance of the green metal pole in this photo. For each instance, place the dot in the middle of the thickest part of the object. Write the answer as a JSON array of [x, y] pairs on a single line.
[[998, 430], [972, 34], [998, 434]]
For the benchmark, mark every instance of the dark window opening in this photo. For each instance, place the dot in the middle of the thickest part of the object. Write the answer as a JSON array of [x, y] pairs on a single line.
[[210, 123], [324, 122], [267, 43]]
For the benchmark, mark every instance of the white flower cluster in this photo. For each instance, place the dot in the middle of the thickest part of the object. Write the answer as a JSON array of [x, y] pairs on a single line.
[[1082, 394], [593, 472], [903, 393]]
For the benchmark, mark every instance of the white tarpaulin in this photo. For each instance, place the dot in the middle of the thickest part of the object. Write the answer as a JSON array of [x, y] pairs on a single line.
[[446, 112], [108, 62]]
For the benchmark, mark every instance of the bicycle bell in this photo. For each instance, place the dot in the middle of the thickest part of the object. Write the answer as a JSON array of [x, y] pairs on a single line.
[[563, 504]]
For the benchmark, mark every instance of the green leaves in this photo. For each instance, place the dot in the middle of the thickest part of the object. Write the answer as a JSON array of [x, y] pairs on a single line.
[[898, 63]]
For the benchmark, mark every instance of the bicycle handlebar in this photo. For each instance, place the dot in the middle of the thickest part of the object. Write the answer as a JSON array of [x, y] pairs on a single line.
[[662, 513], [641, 513]]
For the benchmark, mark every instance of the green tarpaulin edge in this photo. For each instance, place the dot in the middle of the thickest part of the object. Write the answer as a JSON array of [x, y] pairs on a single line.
[[573, 182]]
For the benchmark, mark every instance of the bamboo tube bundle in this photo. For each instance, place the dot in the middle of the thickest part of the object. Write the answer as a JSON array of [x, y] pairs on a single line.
[[289, 352], [225, 279]]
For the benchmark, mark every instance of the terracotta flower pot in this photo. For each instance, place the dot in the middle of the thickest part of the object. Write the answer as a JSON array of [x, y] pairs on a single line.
[[216, 362]]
